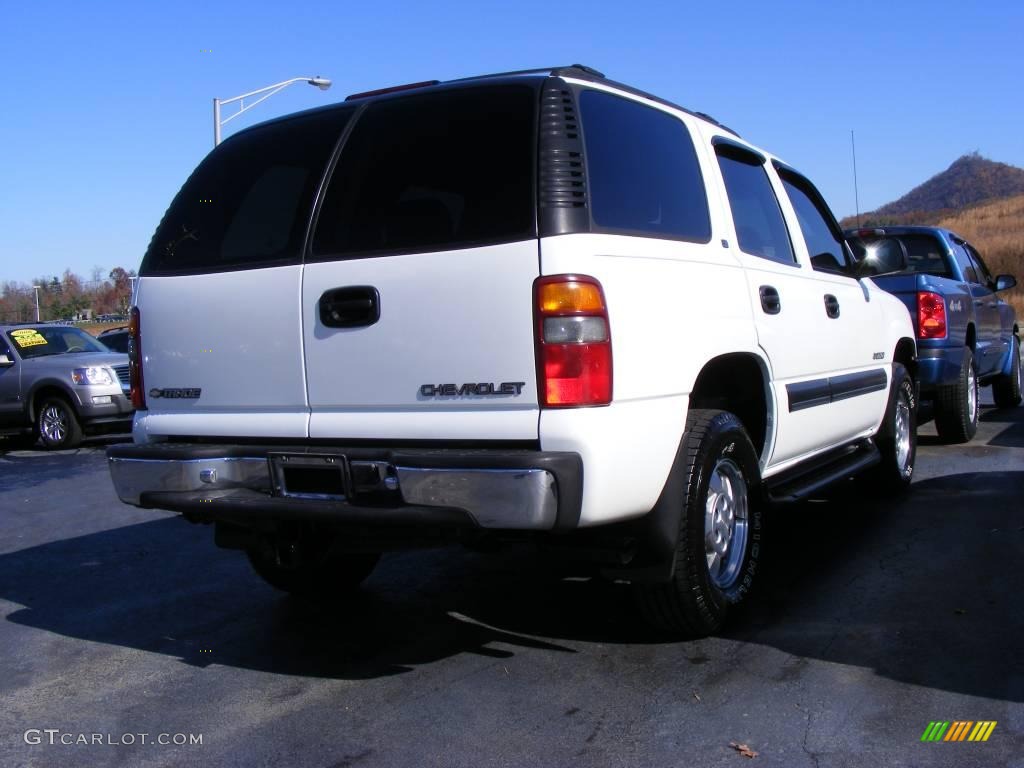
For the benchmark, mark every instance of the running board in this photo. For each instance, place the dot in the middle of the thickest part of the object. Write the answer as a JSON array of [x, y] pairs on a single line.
[[805, 480]]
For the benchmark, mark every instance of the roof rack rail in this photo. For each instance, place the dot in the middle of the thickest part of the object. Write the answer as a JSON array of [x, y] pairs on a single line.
[[578, 71], [568, 70]]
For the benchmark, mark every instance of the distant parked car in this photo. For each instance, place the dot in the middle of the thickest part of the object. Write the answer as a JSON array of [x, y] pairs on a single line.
[[58, 382], [115, 338], [966, 335]]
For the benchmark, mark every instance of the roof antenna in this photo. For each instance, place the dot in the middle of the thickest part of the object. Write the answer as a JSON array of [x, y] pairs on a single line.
[[856, 198]]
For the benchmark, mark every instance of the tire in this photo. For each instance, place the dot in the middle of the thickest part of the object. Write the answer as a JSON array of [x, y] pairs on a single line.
[[897, 439], [720, 516], [309, 567], [956, 406], [57, 424], [1006, 388]]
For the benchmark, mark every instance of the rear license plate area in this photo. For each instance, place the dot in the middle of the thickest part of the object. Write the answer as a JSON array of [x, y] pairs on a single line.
[[309, 476]]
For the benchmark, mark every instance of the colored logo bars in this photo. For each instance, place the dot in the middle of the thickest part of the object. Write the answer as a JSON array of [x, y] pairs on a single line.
[[958, 730]]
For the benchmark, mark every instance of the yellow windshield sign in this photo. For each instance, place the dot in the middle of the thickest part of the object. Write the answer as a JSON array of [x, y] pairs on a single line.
[[27, 337]]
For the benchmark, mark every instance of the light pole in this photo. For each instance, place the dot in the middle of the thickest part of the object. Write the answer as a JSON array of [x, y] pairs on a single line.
[[37, 287], [320, 82]]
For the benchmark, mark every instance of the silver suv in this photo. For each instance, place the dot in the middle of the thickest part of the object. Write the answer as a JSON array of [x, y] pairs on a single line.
[[56, 382]]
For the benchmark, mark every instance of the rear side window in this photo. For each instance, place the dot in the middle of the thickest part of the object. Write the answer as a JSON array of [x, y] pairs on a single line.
[[434, 171], [760, 228], [248, 202], [642, 169]]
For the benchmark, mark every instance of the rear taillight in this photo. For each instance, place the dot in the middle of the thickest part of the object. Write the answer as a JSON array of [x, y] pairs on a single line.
[[574, 343], [931, 315], [138, 391]]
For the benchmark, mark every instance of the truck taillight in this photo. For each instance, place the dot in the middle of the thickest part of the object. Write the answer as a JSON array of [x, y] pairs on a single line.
[[574, 344], [138, 390], [931, 315]]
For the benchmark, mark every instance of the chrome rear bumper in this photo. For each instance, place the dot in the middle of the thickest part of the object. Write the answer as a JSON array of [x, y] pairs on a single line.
[[512, 490]]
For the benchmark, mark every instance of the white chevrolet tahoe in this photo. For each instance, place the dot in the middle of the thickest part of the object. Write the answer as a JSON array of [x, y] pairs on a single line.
[[537, 305]]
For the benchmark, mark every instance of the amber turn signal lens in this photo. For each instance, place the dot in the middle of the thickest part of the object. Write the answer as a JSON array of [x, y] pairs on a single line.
[[570, 297]]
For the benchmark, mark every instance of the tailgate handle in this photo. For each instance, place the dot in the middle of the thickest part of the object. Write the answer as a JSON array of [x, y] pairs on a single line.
[[354, 306]]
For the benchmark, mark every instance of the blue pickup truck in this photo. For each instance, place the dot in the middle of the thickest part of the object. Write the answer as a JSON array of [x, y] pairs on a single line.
[[966, 335]]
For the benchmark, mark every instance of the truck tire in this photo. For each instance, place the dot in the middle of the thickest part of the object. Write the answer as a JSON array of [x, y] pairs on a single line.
[[316, 572], [1006, 388], [57, 424], [956, 406], [718, 544], [897, 439]]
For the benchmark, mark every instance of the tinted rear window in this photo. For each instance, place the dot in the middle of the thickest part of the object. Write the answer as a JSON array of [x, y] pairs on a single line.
[[434, 171], [247, 204], [925, 253], [642, 169]]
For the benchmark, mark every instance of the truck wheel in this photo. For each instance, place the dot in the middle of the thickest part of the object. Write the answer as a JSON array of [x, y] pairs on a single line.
[[306, 570], [718, 543], [57, 425], [956, 406], [1006, 388], [897, 439]]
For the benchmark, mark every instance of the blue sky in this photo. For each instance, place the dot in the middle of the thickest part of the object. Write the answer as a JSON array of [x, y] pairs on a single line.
[[107, 106]]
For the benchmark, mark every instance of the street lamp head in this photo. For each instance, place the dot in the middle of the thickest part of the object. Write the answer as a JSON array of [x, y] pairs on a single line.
[[320, 82]]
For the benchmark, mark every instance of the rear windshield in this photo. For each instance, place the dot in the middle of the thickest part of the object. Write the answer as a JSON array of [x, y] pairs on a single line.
[[116, 341], [52, 340], [434, 171], [925, 253], [248, 202]]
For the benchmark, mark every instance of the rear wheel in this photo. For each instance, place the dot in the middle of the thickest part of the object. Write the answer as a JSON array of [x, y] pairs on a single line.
[[57, 425], [956, 406], [1006, 388], [309, 567], [718, 543]]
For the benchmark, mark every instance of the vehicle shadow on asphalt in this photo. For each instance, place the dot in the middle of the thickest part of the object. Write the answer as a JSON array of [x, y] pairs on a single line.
[[921, 590], [27, 467], [1012, 435]]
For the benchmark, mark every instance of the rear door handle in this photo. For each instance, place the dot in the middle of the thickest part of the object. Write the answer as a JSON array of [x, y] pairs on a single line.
[[353, 306], [831, 306], [770, 301]]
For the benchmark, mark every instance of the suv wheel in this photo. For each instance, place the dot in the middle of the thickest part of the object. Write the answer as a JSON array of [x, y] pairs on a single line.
[[719, 528], [897, 439], [1006, 388], [57, 425], [956, 406], [310, 567]]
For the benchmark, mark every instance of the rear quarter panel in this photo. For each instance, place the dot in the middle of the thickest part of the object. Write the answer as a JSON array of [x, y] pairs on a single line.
[[672, 307]]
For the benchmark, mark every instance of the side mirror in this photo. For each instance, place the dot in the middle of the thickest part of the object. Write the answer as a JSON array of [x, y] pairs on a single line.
[[5, 361], [1005, 282], [886, 256]]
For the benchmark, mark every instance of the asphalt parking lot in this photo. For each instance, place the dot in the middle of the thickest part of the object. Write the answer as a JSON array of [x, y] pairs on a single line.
[[873, 619]]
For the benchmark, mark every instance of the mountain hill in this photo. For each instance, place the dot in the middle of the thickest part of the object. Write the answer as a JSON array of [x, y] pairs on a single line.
[[970, 180]]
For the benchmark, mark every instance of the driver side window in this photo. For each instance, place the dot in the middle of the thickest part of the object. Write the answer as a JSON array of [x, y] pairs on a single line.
[[824, 244], [984, 276]]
